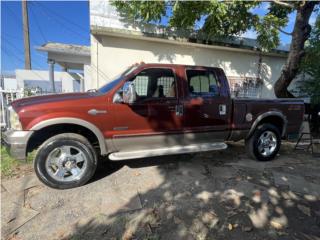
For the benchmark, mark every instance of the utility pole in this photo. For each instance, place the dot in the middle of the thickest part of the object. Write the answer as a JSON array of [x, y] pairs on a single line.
[[26, 39]]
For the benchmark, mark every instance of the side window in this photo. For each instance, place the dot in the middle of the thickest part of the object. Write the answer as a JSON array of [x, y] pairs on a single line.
[[155, 83], [141, 84], [202, 83]]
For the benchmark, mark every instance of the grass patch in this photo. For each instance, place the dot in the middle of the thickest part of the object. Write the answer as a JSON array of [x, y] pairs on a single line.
[[10, 166]]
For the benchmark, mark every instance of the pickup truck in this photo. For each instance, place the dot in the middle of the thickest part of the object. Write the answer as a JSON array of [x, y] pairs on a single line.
[[148, 110]]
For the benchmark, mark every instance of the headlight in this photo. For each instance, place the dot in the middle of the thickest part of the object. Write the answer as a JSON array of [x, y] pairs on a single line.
[[14, 119]]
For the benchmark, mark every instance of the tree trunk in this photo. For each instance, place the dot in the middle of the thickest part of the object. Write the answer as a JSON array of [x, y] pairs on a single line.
[[300, 34]]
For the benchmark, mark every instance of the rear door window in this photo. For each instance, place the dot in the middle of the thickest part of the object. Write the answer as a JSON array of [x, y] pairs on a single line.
[[202, 83]]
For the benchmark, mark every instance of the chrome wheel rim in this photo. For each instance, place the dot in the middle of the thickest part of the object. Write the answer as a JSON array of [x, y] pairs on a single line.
[[66, 163], [267, 143]]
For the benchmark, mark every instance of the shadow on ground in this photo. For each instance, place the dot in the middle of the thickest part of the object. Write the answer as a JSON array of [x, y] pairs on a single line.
[[217, 195]]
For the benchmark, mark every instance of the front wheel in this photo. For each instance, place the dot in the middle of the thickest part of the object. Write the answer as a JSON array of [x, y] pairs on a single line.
[[65, 161], [264, 143]]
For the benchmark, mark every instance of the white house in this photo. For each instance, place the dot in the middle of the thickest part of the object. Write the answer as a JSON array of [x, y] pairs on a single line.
[[74, 61], [8, 82], [39, 79], [117, 44]]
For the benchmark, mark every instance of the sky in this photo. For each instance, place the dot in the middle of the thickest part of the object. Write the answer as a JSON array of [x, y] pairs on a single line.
[[59, 21], [64, 22]]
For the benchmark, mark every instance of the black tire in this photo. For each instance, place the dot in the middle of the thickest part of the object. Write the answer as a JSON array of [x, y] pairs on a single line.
[[65, 139], [252, 142]]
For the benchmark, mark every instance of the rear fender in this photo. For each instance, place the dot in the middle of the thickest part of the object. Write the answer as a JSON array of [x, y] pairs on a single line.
[[261, 117]]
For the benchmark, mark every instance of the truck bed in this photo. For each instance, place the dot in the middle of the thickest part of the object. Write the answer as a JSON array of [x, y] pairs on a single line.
[[247, 111]]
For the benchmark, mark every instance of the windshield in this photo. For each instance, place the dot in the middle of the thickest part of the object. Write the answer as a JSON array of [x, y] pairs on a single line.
[[110, 85]]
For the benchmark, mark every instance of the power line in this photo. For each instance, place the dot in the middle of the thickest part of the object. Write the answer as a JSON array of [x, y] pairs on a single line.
[[16, 17], [11, 54], [61, 16], [53, 17], [15, 47], [13, 37], [38, 25], [37, 64]]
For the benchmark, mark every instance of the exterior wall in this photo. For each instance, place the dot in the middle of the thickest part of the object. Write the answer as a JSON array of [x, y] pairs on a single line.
[[9, 83], [65, 81], [110, 55], [87, 78]]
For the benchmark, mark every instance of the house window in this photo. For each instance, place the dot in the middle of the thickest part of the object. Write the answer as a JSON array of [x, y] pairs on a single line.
[[202, 83]]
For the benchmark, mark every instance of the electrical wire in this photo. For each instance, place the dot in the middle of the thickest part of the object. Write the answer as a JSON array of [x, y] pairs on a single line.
[[53, 17], [60, 16], [38, 25], [16, 17], [12, 54]]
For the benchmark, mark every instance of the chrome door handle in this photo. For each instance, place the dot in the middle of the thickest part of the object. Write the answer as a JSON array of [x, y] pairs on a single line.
[[222, 109], [95, 112], [179, 110], [172, 108]]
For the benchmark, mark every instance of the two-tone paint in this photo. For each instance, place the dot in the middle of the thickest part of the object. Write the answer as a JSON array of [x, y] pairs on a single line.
[[156, 123]]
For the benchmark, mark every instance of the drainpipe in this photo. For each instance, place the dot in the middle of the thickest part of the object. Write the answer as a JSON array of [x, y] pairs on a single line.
[[51, 74]]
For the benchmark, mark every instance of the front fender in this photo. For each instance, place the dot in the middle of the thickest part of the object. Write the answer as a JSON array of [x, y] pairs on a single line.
[[76, 121]]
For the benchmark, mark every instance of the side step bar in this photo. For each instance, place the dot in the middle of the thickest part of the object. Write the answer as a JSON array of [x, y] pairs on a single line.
[[167, 151]]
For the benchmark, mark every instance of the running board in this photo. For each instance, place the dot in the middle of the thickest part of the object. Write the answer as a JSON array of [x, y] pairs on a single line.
[[167, 151]]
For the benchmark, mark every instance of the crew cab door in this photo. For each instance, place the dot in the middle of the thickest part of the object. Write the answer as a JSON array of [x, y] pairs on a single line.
[[153, 120], [207, 105]]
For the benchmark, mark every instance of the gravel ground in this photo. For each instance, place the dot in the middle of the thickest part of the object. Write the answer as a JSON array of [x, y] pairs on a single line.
[[212, 195]]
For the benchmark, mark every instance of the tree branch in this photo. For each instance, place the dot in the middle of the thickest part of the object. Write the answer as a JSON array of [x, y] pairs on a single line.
[[284, 4], [287, 33]]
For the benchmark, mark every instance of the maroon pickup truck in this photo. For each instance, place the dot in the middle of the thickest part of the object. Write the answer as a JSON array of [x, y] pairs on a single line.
[[149, 110]]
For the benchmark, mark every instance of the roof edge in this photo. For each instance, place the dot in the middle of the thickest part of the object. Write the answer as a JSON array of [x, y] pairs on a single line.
[[174, 38]]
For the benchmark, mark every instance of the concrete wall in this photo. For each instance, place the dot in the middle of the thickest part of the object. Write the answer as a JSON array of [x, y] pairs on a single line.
[[87, 77], [111, 54], [64, 81], [9, 83]]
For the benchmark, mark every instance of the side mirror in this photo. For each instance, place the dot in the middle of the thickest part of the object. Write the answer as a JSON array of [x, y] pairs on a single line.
[[129, 93], [117, 98]]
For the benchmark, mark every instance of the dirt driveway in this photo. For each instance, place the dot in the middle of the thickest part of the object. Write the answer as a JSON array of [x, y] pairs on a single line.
[[213, 195]]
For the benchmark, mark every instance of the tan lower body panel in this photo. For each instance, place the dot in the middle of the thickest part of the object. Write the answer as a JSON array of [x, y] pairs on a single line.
[[202, 147], [146, 142]]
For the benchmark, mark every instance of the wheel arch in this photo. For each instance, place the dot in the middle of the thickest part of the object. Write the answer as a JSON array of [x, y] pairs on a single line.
[[88, 127], [273, 117]]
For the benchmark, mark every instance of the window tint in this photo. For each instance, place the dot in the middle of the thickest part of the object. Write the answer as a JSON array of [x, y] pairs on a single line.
[[155, 83], [202, 83]]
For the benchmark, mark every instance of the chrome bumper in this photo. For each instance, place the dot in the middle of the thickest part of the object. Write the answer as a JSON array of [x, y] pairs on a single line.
[[16, 143]]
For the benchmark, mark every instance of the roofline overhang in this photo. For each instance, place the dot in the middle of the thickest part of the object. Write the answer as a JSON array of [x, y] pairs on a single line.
[[131, 34], [52, 50]]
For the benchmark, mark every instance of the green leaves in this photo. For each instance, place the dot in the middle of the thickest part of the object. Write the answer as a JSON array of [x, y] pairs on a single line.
[[268, 31], [220, 18], [227, 19], [141, 11], [186, 13], [310, 65]]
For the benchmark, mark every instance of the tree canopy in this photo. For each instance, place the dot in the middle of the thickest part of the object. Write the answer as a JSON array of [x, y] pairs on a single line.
[[231, 18], [219, 19], [311, 65]]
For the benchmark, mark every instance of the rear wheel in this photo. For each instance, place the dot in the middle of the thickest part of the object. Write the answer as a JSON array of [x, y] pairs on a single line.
[[264, 143], [65, 161]]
